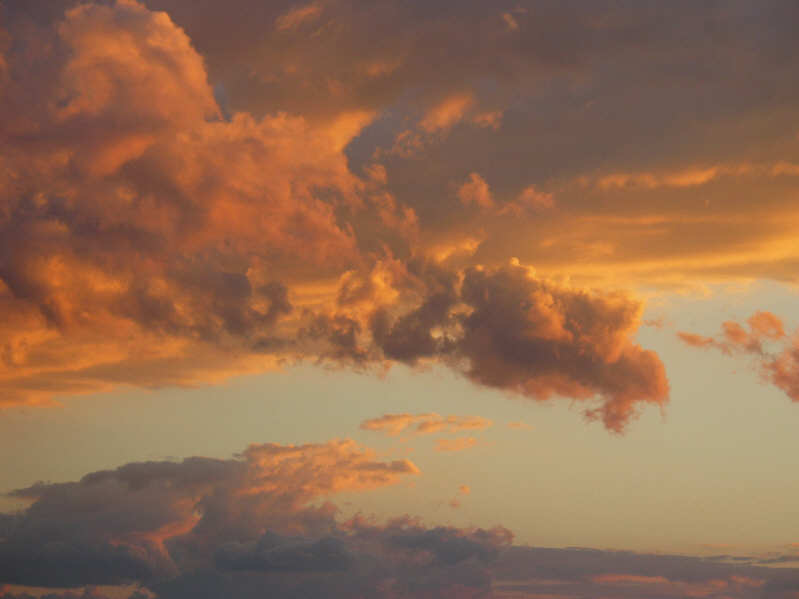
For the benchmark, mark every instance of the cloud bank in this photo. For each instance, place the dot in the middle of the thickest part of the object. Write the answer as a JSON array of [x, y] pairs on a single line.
[[262, 524]]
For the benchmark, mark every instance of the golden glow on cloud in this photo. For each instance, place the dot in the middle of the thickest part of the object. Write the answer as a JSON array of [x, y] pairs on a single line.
[[191, 191], [181, 204]]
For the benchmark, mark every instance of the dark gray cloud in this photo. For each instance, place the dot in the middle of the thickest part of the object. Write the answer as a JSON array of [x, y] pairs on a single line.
[[253, 526], [273, 553], [149, 521]]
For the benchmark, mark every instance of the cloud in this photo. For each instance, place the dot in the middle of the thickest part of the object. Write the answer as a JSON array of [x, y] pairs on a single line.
[[475, 191], [695, 340], [531, 572], [529, 199], [273, 553], [87, 593], [447, 113], [260, 523], [295, 17], [257, 523], [506, 328], [151, 238], [144, 521], [463, 490], [421, 424], [776, 355], [131, 227]]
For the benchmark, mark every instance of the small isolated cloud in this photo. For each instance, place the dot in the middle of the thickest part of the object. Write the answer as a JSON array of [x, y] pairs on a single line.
[[463, 490], [510, 21], [775, 353], [424, 424]]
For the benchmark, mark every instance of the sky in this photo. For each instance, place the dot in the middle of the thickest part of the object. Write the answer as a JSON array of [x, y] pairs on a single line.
[[399, 300]]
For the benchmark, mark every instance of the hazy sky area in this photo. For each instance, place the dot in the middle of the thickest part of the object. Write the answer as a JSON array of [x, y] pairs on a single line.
[[399, 300]]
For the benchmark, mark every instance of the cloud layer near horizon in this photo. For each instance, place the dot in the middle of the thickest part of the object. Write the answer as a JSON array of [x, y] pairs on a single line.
[[258, 524], [262, 525], [155, 234]]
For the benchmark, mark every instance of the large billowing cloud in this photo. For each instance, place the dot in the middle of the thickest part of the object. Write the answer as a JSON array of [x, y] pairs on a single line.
[[666, 163], [192, 193], [153, 235]]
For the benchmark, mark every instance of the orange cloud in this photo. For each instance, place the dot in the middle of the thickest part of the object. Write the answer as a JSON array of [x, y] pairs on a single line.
[[447, 113], [695, 340], [530, 199], [475, 191], [779, 367], [462, 490], [422, 424], [153, 233]]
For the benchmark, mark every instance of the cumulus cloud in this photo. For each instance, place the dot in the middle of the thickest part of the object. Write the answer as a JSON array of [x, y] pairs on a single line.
[[144, 521], [258, 523], [150, 237], [589, 90], [138, 227], [508, 329], [776, 354]]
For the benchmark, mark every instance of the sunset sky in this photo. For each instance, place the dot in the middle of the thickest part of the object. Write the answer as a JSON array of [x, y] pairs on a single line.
[[394, 299]]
